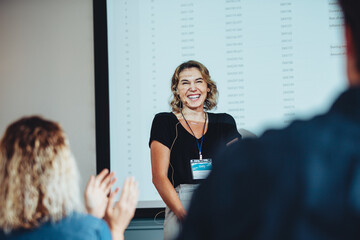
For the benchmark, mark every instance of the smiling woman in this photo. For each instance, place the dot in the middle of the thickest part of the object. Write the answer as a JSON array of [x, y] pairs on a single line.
[[184, 141]]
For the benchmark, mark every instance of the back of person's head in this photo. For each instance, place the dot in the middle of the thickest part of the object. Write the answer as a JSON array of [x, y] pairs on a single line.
[[351, 10], [38, 175]]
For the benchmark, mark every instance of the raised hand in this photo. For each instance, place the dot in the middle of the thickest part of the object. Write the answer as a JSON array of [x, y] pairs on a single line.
[[97, 191], [119, 215]]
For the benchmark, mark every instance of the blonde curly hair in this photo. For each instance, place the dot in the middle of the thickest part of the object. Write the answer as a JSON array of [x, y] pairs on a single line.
[[38, 175], [212, 95]]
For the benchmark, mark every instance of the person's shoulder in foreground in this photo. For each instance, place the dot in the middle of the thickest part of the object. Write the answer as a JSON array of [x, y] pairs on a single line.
[[302, 182], [75, 226]]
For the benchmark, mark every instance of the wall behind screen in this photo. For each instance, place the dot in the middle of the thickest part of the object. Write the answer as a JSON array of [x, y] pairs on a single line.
[[273, 61], [47, 68]]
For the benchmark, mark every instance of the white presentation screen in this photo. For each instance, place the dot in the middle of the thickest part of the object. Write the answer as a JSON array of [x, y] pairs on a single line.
[[272, 61]]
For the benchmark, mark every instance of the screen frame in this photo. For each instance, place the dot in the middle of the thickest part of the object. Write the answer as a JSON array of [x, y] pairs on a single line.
[[102, 120]]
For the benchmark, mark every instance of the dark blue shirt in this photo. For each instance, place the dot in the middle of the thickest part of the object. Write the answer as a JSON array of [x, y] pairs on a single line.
[[74, 227], [301, 182]]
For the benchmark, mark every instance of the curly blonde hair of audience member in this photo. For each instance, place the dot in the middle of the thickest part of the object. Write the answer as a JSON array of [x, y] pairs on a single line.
[[212, 96], [38, 175]]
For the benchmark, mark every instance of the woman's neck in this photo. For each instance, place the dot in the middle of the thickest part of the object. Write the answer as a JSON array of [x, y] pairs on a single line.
[[198, 116]]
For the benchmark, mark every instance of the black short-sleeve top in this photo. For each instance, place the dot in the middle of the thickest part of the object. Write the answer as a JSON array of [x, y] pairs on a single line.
[[167, 130]]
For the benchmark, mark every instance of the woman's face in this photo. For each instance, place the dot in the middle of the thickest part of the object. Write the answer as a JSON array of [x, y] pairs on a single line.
[[192, 88]]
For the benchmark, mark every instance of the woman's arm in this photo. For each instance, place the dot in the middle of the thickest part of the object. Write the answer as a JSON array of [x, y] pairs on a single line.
[[160, 160]]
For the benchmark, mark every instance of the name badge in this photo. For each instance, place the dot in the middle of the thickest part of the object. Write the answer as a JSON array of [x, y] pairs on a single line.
[[200, 168]]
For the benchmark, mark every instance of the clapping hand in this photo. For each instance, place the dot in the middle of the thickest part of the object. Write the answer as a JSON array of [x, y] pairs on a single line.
[[97, 191], [119, 215]]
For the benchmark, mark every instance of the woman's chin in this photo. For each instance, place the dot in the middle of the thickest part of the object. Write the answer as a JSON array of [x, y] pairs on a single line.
[[196, 107]]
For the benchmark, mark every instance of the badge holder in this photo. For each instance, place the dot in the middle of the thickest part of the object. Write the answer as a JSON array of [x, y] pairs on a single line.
[[200, 168]]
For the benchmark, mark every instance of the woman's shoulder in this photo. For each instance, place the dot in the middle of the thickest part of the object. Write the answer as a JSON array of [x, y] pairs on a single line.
[[73, 226], [221, 117], [219, 114], [163, 120], [90, 225], [164, 116], [82, 218]]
